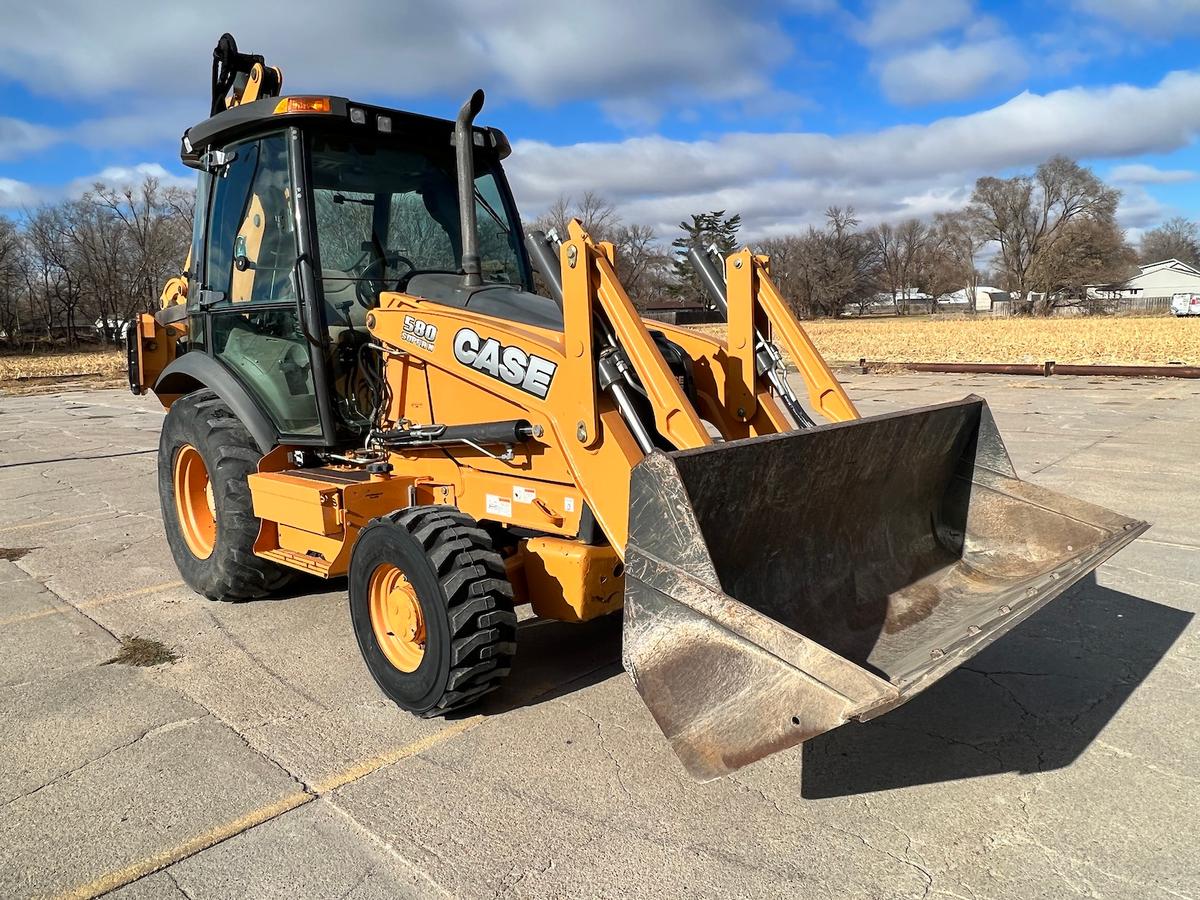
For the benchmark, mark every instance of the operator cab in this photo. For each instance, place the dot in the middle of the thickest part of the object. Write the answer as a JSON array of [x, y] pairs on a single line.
[[307, 210]]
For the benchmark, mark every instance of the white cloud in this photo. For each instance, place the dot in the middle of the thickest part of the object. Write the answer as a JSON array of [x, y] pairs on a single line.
[[1157, 18], [902, 21], [20, 138], [784, 181], [1140, 173], [1140, 210], [938, 72], [127, 176], [16, 194], [639, 49]]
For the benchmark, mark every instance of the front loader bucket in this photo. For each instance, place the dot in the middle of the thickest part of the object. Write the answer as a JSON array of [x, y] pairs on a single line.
[[780, 586]]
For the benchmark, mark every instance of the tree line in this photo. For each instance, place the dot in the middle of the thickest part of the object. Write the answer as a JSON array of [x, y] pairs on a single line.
[[1045, 236], [82, 267]]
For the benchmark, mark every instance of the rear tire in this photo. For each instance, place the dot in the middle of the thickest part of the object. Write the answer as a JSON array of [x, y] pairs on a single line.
[[205, 455], [431, 609]]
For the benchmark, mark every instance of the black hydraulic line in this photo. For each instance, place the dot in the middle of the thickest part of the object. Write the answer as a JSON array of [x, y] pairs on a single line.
[[515, 431]]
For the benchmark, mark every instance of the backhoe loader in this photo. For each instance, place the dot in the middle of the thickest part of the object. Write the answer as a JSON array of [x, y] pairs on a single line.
[[361, 381]]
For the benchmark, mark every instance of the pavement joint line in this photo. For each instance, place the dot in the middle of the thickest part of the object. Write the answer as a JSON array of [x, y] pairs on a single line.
[[89, 604], [119, 878]]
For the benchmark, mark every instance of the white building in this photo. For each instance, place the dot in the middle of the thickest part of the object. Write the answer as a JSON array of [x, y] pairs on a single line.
[[1159, 279], [984, 297]]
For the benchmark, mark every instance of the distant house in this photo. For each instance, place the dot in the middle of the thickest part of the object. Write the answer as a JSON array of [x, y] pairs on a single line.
[[1158, 279]]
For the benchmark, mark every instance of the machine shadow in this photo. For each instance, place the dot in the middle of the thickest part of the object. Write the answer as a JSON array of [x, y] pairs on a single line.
[[558, 658], [1031, 702]]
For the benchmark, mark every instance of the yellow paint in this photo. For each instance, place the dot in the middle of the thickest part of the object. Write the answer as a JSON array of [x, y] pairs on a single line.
[[92, 604], [149, 865], [55, 520], [396, 617], [156, 346], [753, 289], [249, 240], [390, 757]]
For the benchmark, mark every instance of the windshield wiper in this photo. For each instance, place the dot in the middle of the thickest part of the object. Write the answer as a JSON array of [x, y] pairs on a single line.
[[491, 212], [342, 198]]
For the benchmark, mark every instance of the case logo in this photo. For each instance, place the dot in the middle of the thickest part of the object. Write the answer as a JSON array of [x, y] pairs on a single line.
[[509, 364], [418, 332]]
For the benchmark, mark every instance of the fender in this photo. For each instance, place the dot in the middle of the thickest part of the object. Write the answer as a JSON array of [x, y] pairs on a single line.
[[194, 371]]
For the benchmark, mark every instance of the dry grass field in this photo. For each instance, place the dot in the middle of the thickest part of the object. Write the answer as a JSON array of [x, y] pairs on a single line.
[[1118, 340], [1080, 340], [21, 373]]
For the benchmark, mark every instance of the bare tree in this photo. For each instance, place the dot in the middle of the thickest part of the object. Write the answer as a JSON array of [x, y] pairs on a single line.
[[960, 245], [1083, 253], [898, 250], [10, 278], [70, 268], [643, 263], [598, 215], [1177, 238], [53, 276], [886, 247], [1025, 214], [826, 269]]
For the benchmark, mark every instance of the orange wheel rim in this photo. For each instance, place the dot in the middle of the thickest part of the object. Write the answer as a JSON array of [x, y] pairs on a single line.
[[194, 504], [396, 617]]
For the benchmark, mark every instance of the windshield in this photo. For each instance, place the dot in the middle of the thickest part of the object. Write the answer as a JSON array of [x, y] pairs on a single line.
[[384, 213]]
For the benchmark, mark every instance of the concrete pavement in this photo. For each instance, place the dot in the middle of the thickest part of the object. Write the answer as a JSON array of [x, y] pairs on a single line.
[[1064, 760]]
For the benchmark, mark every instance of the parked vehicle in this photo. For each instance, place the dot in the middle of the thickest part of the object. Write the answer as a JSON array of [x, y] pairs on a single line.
[[1186, 304]]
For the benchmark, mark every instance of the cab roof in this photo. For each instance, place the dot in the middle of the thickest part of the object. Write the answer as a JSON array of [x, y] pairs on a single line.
[[237, 122]]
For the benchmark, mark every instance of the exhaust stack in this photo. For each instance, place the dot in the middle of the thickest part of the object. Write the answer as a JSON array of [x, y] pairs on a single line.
[[464, 145]]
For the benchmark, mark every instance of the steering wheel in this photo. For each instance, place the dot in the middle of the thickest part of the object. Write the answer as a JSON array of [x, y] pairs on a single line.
[[369, 280]]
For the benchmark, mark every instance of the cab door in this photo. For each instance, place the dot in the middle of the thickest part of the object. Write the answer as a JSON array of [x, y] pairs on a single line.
[[251, 295]]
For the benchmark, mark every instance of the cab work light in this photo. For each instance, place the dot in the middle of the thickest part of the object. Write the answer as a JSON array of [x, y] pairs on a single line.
[[303, 105]]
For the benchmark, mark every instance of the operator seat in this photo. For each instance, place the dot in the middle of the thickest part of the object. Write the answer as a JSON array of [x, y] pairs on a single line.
[[342, 308]]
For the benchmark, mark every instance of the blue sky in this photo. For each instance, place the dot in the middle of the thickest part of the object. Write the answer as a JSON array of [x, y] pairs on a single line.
[[772, 110]]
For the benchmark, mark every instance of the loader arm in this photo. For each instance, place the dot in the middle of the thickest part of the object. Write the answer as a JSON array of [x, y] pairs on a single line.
[[752, 295], [591, 286]]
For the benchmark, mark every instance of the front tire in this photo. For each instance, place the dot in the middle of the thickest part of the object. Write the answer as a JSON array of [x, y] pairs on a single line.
[[431, 609], [205, 455]]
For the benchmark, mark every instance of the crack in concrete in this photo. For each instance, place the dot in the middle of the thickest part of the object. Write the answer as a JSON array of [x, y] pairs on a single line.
[[147, 733], [253, 657], [175, 881], [384, 845], [612, 757], [926, 876]]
